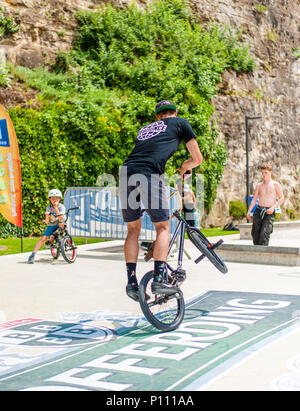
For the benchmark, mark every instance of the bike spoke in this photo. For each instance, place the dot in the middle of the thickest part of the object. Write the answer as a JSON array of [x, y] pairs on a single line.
[[164, 312]]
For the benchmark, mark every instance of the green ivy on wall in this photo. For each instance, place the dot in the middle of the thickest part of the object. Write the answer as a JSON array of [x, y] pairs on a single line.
[[95, 98], [7, 24]]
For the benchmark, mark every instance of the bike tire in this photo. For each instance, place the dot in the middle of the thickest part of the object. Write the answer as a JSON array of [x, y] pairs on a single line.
[[68, 250], [54, 249], [202, 243], [164, 313]]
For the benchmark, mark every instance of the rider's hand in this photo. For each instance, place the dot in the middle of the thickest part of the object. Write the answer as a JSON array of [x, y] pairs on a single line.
[[185, 169]]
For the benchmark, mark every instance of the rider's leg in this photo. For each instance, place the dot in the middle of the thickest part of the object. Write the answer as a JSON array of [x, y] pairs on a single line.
[[162, 240], [131, 245], [160, 252], [131, 250], [47, 233], [159, 286], [39, 244]]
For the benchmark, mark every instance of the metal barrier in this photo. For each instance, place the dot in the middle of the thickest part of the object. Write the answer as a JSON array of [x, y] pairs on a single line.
[[100, 214]]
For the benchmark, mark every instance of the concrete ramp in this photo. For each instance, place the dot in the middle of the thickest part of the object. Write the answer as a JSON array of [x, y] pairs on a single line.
[[258, 254], [284, 247]]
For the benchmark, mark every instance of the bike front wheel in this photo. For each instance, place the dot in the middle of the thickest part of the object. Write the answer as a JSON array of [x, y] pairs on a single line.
[[68, 250], [54, 248], [163, 312], [202, 243]]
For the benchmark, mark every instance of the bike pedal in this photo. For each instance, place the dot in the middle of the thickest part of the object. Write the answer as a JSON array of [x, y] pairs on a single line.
[[180, 274], [199, 258], [216, 245]]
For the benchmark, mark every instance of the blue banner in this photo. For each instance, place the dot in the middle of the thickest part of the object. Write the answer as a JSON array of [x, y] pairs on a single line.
[[100, 214]]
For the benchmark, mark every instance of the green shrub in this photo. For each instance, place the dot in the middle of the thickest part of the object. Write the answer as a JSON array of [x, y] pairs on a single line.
[[97, 96], [7, 25], [291, 214], [5, 78], [260, 8], [296, 53], [7, 229], [237, 210]]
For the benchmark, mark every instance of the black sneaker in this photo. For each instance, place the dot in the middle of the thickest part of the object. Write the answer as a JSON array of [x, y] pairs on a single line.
[[163, 288], [132, 290]]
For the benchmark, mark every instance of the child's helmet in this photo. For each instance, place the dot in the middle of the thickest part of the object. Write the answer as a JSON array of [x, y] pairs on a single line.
[[54, 193]]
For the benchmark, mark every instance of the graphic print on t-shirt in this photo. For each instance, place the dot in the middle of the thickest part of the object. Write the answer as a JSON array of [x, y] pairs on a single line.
[[151, 130]]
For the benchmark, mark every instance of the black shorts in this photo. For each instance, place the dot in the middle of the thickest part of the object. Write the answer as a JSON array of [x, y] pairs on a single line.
[[140, 192]]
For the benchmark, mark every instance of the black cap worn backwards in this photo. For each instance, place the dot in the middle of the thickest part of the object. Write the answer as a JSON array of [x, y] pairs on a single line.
[[164, 105]]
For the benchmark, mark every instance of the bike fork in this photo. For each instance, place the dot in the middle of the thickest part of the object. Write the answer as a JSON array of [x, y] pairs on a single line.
[[180, 229], [181, 245]]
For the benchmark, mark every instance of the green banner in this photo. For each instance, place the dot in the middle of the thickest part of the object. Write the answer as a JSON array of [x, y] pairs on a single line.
[[218, 326]]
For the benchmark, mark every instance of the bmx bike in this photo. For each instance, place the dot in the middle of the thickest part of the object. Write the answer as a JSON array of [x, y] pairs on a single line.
[[62, 242], [166, 312]]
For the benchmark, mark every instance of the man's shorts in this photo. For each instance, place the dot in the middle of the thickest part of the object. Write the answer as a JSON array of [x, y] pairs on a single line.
[[140, 192], [50, 230]]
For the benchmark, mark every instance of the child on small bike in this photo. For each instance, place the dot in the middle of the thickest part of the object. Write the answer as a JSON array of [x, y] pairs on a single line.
[[54, 218]]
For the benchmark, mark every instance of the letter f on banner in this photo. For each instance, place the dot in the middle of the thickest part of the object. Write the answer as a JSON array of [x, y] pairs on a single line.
[[10, 171]]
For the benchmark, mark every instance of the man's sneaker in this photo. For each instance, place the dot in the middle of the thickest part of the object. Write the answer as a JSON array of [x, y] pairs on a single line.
[[31, 259], [132, 290], [163, 288]]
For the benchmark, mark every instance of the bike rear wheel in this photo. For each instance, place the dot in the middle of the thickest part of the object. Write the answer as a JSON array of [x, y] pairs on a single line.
[[68, 249], [54, 248], [202, 243], [163, 312]]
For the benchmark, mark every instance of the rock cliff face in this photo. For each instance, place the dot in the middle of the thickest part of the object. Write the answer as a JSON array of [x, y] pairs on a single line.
[[272, 29]]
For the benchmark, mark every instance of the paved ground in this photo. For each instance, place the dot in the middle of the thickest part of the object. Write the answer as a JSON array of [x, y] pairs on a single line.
[[92, 291]]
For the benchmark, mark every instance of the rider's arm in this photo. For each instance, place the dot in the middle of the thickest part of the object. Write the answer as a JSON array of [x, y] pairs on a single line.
[[47, 218], [60, 217], [195, 159], [59, 213], [57, 208]]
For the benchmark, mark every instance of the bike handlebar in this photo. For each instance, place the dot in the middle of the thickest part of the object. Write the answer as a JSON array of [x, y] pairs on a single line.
[[67, 213]]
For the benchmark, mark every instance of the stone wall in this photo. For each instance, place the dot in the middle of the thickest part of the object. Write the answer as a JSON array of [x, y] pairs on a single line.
[[271, 27], [272, 91]]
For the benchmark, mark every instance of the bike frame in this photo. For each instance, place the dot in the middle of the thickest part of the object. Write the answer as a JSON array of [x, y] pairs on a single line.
[[180, 229]]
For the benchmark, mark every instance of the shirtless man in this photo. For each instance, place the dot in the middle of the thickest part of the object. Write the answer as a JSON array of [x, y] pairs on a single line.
[[269, 194]]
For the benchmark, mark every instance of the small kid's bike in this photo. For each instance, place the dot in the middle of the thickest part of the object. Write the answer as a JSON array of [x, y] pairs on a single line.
[[62, 242], [166, 312]]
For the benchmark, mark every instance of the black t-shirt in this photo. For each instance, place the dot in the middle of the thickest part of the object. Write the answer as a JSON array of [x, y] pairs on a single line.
[[156, 143]]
